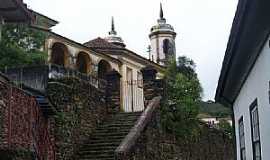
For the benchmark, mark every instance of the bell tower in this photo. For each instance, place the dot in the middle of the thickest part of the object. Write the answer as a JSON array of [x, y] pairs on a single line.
[[162, 38]]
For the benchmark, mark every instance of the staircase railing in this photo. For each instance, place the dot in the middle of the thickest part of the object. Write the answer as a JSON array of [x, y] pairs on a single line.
[[126, 147]]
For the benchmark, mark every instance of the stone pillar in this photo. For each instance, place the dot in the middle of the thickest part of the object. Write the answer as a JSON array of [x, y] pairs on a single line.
[[113, 91], [149, 78]]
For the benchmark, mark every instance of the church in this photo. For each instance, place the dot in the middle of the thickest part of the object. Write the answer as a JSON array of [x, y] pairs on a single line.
[[96, 100], [101, 55]]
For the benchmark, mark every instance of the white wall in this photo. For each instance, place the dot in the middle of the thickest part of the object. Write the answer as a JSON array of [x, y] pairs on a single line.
[[256, 86], [127, 98], [157, 45]]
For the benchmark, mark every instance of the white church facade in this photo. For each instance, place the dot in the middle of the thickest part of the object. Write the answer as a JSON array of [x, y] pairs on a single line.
[[101, 55], [244, 83]]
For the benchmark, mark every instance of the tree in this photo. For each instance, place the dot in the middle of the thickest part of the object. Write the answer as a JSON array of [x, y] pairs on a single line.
[[186, 66], [21, 45], [181, 106]]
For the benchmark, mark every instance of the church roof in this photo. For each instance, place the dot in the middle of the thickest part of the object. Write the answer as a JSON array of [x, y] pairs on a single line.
[[103, 46], [15, 11], [42, 21], [100, 43]]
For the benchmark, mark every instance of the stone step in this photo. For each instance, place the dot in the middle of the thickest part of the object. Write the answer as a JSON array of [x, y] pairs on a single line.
[[97, 157], [96, 152], [100, 144], [107, 137], [117, 133], [116, 125], [99, 147], [104, 130], [97, 141]]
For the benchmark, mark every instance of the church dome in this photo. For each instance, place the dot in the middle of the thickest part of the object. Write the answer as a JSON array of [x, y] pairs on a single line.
[[113, 37], [162, 26]]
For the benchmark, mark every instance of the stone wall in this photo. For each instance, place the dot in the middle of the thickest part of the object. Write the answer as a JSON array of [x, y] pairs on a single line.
[[80, 108], [157, 145], [154, 144], [24, 130]]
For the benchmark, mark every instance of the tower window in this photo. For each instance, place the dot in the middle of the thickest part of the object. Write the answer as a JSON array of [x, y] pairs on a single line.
[[166, 46]]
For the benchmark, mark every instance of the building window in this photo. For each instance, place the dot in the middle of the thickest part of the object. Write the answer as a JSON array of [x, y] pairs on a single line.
[[242, 139], [139, 80], [255, 131], [166, 46]]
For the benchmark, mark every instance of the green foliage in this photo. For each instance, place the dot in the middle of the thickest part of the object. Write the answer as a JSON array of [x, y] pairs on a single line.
[[21, 45], [180, 109], [23, 36], [225, 126], [214, 109], [186, 66]]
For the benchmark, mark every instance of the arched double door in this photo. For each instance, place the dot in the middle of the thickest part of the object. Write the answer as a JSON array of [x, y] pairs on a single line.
[[59, 55], [103, 68], [83, 63]]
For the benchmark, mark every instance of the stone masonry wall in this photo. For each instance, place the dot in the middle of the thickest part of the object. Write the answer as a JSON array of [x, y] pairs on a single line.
[[156, 145], [80, 108], [24, 130]]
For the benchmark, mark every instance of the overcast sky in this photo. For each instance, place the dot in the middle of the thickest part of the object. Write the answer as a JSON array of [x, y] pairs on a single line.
[[202, 26]]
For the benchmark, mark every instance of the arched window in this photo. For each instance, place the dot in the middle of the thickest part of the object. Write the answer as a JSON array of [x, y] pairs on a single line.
[[166, 46], [103, 68], [83, 62], [59, 54]]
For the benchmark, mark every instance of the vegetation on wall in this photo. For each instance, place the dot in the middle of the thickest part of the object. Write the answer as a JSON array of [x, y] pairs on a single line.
[[225, 126], [181, 106], [21, 45]]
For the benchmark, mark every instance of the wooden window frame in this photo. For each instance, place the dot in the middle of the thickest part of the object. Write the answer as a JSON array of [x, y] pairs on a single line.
[[139, 79], [241, 120], [254, 105]]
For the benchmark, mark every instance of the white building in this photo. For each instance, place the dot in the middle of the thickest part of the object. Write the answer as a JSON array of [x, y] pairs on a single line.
[[244, 83], [101, 55]]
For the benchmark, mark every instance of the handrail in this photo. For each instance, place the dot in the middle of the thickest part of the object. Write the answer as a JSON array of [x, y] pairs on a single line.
[[134, 134]]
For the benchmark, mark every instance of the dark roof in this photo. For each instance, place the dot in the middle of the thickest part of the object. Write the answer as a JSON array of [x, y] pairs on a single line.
[[249, 33], [103, 46], [44, 16], [41, 21], [15, 11], [100, 43]]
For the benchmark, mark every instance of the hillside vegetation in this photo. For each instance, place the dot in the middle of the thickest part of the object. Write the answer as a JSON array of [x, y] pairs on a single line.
[[214, 109]]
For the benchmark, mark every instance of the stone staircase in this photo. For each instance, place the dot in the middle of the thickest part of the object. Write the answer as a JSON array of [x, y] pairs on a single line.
[[107, 137], [45, 105]]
